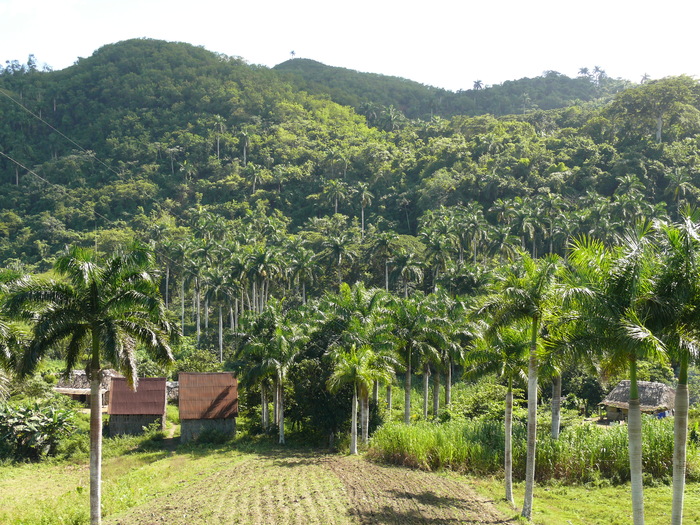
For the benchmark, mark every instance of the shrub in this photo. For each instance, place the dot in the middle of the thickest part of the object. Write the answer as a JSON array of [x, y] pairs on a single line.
[[32, 431]]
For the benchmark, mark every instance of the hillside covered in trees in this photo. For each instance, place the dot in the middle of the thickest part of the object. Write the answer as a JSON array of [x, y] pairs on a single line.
[[147, 133]]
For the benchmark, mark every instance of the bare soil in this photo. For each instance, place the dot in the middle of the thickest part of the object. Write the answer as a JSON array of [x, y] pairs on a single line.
[[307, 488]]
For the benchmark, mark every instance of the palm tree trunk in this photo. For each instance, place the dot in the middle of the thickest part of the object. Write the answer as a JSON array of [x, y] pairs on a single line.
[[556, 406], [375, 392], [95, 434], [531, 422], [388, 398], [182, 305], [634, 430], [407, 392], [365, 418], [448, 384], [275, 403], [426, 389], [353, 425], [436, 393], [280, 400], [221, 335], [680, 442], [199, 313], [265, 409], [508, 452]]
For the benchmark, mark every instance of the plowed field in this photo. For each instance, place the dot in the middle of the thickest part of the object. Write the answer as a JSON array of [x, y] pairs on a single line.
[[313, 489]]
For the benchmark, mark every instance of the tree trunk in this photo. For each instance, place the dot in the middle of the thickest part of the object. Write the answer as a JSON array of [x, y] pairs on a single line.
[[426, 389], [407, 393], [95, 448], [448, 384], [508, 452], [353, 424], [280, 400], [388, 399], [221, 334], [365, 418], [556, 406], [375, 392], [531, 423], [275, 403], [634, 430], [680, 443], [436, 393], [199, 313], [264, 407], [182, 305]]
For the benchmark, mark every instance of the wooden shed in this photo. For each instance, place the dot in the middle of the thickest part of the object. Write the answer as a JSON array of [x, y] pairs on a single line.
[[208, 401], [654, 398], [132, 410], [77, 386]]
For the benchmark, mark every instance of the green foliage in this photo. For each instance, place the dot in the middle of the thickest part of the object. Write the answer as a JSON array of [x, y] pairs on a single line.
[[584, 453], [31, 431]]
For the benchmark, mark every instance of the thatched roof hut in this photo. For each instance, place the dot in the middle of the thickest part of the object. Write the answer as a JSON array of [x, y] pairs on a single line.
[[653, 398], [77, 385]]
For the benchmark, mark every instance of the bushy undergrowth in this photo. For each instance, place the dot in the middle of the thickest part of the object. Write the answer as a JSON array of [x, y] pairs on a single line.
[[583, 453]]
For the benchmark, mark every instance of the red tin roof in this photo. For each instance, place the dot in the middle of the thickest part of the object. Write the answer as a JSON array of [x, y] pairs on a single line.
[[208, 395], [148, 399]]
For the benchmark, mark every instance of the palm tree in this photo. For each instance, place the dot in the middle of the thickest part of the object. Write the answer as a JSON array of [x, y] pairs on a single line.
[[526, 293], [612, 302], [677, 308], [103, 308], [359, 367], [338, 248], [416, 332], [409, 268], [503, 351], [365, 197]]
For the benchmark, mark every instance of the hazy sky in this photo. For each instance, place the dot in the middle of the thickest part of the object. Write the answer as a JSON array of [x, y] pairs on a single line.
[[444, 43]]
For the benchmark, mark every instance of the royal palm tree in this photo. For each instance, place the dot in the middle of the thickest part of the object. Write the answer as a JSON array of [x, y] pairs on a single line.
[[612, 305], [416, 332], [526, 293], [677, 311], [504, 352], [359, 367], [103, 308]]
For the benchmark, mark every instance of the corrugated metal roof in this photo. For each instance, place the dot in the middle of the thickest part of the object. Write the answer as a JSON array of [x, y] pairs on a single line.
[[208, 395], [148, 399]]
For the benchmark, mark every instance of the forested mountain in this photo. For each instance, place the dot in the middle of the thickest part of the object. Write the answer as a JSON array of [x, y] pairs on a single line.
[[371, 93], [148, 138]]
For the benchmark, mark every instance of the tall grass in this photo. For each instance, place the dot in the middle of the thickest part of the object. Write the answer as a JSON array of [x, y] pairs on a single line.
[[582, 454]]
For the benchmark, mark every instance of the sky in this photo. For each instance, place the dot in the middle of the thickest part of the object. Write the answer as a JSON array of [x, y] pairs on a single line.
[[442, 43]]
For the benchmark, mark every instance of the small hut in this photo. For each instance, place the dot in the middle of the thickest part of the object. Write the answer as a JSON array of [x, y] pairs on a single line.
[[654, 398], [208, 401], [77, 386], [130, 411]]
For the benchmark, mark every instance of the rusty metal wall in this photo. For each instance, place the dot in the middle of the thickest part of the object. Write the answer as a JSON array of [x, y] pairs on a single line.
[[148, 399], [208, 395]]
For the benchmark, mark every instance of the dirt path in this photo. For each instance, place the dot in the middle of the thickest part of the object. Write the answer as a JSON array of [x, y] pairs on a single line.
[[288, 488]]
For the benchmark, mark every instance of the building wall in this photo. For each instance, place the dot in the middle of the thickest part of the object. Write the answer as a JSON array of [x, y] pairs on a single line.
[[132, 424], [192, 428]]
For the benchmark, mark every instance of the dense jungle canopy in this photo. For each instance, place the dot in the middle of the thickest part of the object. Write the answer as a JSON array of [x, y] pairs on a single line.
[[156, 140]]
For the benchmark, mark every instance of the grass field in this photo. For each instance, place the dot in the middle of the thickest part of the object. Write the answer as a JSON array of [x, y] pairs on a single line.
[[246, 482]]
